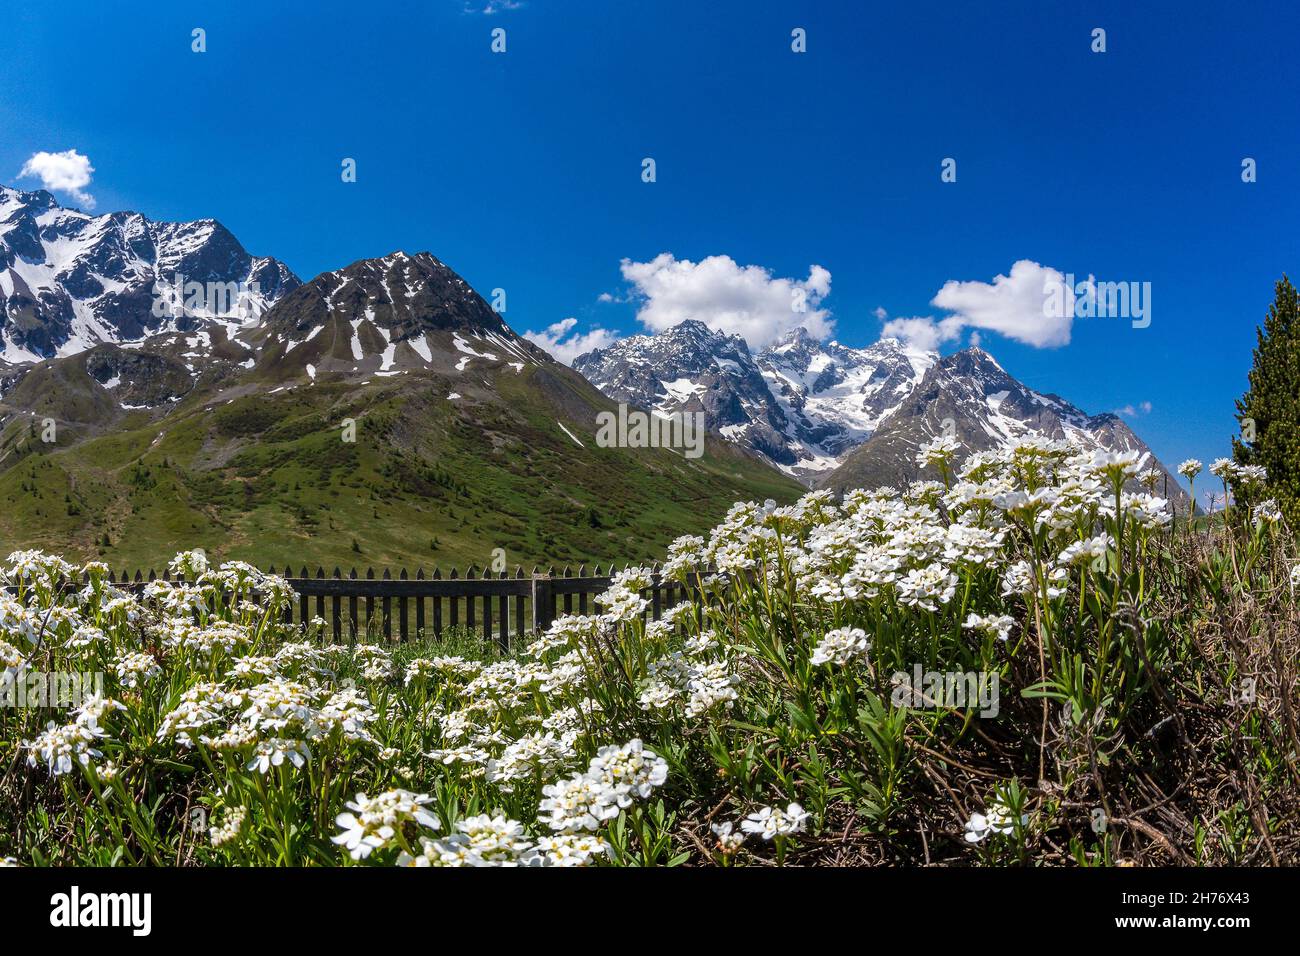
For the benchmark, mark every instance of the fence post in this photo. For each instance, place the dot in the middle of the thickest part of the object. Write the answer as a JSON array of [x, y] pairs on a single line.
[[543, 604]]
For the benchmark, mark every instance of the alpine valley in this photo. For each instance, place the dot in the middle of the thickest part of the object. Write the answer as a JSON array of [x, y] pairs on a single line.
[[382, 414], [161, 388]]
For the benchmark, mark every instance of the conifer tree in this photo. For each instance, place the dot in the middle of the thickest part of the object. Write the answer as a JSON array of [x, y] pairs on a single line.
[[1269, 412]]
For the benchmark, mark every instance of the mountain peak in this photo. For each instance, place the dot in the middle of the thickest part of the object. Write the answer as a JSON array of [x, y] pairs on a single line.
[[692, 325], [798, 402], [972, 362], [970, 396], [391, 315], [697, 331], [40, 197], [70, 281], [799, 335], [978, 354]]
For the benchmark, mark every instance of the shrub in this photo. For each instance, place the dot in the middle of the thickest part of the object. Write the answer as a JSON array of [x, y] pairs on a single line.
[[1026, 663]]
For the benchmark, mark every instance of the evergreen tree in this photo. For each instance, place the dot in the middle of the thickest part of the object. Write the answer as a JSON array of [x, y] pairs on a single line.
[[1269, 412]]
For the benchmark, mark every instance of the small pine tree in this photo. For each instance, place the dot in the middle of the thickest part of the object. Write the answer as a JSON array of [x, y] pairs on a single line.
[[1269, 412], [356, 547]]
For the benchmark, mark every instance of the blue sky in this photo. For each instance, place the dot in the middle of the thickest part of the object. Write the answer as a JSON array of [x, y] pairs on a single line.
[[523, 170]]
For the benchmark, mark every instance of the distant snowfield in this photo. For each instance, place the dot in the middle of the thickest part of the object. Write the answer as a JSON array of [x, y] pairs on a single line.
[[818, 398], [847, 396]]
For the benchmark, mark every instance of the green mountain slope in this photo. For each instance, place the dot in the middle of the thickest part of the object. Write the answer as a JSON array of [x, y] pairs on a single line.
[[459, 445]]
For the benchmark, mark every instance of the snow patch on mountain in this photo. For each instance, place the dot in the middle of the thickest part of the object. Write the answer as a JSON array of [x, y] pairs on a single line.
[[799, 403], [70, 281], [970, 397]]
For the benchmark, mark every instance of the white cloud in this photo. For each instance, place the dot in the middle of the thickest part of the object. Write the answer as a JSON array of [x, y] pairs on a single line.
[[1016, 305], [564, 345], [922, 333], [727, 297], [880, 313], [67, 172], [493, 6], [1142, 408]]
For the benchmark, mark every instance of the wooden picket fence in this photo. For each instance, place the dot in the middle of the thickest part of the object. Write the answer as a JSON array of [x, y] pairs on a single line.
[[507, 605]]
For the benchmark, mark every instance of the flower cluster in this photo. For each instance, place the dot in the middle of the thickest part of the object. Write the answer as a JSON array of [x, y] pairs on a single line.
[[997, 819], [842, 646], [772, 822], [375, 821], [774, 665], [616, 776]]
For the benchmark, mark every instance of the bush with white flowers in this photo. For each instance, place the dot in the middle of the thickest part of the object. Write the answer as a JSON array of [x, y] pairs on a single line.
[[753, 723]]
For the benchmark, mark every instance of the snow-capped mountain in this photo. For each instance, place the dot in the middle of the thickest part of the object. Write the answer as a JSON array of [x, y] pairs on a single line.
[[386, 317], [464, 438], [106, 316], [400, 315], [841, 417], [970, 396], [691, 368], [800, 403], [836, 396], [70, 281]]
